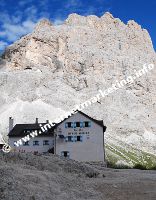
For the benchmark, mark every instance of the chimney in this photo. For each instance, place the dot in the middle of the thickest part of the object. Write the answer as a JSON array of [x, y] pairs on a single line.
[[11, 123], [47, 121], [36, 120]]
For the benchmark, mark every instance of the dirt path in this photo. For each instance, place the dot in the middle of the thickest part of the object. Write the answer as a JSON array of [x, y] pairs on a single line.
[[29, 177]]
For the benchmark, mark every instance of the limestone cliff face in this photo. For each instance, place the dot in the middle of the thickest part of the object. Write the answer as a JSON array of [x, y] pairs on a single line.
[[63, 65], [83, 45]]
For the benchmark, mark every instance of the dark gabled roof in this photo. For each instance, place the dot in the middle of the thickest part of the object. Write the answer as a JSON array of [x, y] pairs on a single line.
[[99, 122], [19, 130]]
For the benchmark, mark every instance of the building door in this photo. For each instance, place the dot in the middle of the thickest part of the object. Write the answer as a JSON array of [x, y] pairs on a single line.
[[65, 154]]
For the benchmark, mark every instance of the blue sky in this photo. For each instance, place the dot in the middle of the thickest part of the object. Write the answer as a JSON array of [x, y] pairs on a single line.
[[18, 17]]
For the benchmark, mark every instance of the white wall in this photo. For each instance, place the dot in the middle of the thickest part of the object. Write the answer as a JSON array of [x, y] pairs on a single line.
[[1, 139], [40, 149], [90, 149]]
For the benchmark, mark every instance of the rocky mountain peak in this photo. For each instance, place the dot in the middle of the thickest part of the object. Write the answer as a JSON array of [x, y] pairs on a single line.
[[132, 24], [81, 43], [55, 67], [74, 19], [108, 16], [43, 24]]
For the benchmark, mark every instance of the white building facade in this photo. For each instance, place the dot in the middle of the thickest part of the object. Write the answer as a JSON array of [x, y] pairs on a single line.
[[1, 142], [79, 137], [39, 144]]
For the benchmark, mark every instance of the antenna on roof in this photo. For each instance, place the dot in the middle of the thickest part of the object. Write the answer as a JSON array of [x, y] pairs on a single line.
[[36, 121], [11, 123]]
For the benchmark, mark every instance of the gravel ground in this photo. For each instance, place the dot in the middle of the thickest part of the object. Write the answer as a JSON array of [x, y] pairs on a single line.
[[36, 177]]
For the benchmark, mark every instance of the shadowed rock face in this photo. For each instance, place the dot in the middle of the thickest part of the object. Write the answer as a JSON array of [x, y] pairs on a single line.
[[60, 66]]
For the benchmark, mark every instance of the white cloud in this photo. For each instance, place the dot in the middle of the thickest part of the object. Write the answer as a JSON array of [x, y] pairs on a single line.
[[31, 12], [89, 11], [13, 26], [29, 25], [3, 45], [4, 18], [24, 2], [58, 22], [12, 32], [73, 3]]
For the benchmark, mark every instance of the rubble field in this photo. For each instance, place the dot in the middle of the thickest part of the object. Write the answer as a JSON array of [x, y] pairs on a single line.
[[48, 177]]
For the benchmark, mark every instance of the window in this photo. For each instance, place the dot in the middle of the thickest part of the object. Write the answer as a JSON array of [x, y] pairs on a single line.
[[68, 125], [77, 124], [61, 136], [87, 124], [65, 154], [79, 138], [35, 143], [46, 142], [69, 138], [26, 143]]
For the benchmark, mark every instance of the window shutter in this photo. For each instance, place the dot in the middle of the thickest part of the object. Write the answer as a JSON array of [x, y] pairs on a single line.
[[89, 124], [68, 154], [81, 124], [75, 138], [66, 139], [66, 125], [81, 138], [74, 124], [72, 138]]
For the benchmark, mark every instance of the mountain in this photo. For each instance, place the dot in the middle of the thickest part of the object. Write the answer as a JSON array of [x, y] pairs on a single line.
[[54, 68]]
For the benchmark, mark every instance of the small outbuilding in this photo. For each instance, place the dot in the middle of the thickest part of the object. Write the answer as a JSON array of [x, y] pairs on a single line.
[[1, 142]]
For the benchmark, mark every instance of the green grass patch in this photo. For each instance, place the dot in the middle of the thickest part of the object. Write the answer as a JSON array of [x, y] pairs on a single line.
[[132, 156]]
